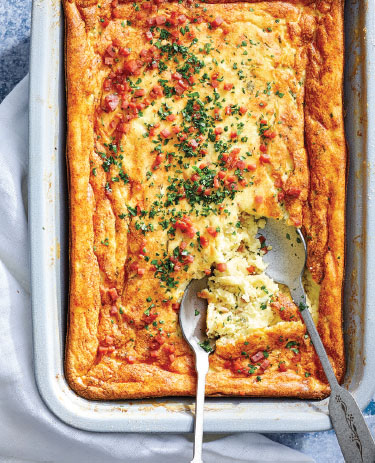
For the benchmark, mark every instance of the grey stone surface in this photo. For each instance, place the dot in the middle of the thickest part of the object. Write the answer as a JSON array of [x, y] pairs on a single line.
[[14, 43]]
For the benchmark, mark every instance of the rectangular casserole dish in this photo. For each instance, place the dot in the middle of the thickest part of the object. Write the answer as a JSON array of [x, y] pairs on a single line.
[[48, 232]]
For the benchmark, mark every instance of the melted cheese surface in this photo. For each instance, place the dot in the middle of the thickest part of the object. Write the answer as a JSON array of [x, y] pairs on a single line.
[[199, 136]]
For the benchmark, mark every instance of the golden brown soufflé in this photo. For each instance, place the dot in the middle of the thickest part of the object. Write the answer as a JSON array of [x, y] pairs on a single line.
[[188, 124]]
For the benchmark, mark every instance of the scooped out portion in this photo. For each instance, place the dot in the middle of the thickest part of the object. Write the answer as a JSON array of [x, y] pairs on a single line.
[[241, 297]]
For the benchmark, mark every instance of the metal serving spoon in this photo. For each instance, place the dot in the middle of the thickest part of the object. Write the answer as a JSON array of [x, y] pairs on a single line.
[[193, 312], [286, 262]]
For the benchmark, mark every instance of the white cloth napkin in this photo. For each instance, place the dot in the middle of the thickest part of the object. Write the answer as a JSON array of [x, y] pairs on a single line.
[[29, 432]]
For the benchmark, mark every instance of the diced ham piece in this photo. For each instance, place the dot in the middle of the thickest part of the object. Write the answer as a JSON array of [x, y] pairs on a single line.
[[124, 51], [131, 66], [113, 294], [123, 128], [156, 92], [280, 196], [293, 191], [107, 84], [182, 18], [265, 158], [189, 259], [104, 22], [113, 310], [148, 35], [265, 364], [140, 92], [212, 231], [180, 87], [170, 348], [257, 357], [110, 51], [221, 267], [282, 367], [217, 22], [160, 338], [269, 134], [191, 232], [222, 174], [150, 318], [160, 20], [203, 241], [296, 358], [111, 102], [165, 133], [193, 143]]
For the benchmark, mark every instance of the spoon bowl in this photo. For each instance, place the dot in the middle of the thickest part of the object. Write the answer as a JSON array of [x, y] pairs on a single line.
[[286, 257], [192, 317], [193, 314]]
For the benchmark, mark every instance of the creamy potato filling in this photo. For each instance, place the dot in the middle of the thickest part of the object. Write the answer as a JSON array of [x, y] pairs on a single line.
[[241, 297]]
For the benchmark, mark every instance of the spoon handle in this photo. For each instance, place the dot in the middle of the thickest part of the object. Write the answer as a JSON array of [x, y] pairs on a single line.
[[319, 347], [354, 437], [201, 366]]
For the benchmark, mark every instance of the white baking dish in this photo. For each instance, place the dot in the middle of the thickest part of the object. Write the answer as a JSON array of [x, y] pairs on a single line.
[[48, 219]]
